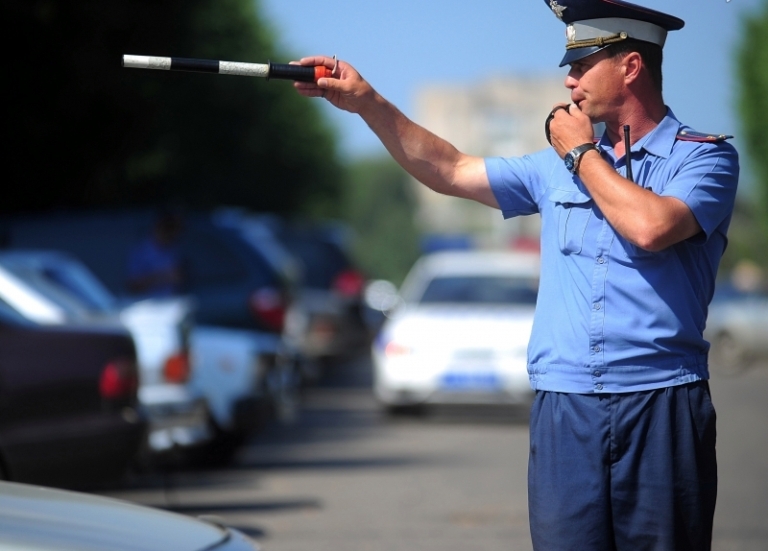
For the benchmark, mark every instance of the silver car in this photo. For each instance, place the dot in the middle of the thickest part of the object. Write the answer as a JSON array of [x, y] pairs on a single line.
[[34, 518], [737, 329]]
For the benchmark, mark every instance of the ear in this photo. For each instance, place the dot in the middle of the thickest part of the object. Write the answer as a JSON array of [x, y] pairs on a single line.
[[632, 64]]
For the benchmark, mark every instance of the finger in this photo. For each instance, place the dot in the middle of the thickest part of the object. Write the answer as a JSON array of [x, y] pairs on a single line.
[[331, 84], [318, 60], [575, 108], [558, 107], [308, 89]]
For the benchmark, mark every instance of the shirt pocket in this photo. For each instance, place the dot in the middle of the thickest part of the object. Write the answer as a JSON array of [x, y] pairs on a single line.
[[573, 210], [627, 251]]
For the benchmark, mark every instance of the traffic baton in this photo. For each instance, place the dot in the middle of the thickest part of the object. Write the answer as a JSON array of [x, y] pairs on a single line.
[[263, 70]]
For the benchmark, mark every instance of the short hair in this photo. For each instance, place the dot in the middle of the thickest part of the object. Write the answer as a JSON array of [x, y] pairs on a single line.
[[651, 53]]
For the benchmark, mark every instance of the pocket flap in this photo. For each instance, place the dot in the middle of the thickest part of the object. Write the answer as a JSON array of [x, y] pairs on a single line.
[[569, 196]]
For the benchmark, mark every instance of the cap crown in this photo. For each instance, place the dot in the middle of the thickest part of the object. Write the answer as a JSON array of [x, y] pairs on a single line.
[[593, 25]]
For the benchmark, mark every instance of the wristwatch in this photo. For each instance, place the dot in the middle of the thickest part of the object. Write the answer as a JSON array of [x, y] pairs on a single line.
[[573, 157]]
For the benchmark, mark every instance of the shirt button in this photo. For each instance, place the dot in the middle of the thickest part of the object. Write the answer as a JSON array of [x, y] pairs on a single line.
[[597, 373], [599, 386], [597, 306], [601, 260], [596, 348]]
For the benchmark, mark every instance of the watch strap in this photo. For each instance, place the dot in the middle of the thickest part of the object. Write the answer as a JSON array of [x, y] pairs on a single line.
[[577, 152]]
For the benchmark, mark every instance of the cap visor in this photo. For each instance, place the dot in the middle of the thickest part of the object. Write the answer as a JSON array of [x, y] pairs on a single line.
[[579, 53]]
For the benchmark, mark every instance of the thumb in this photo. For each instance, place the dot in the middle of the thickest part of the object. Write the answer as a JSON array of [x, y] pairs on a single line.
[[328, 83], [331, 85]]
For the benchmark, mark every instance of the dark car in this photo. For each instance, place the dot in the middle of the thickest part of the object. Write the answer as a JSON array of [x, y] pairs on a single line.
[[326, 324], [68, 403], [233, 285]]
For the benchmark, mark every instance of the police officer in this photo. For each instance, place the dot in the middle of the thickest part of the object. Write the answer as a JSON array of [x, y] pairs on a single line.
[[622, 428]]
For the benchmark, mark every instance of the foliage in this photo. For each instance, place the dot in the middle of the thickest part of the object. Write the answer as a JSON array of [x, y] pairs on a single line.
[[753, 108], [84, 132], [381, 208]]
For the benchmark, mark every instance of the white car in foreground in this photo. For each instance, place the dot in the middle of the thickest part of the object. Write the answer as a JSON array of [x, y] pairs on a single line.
[[460, 331], [36, 518]]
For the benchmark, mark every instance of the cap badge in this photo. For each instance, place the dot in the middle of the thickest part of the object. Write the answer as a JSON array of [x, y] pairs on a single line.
[[557, 9], [570, 34]]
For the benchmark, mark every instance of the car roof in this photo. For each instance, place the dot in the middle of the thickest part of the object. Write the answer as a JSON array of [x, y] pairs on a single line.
[[471, 263], [481, 262]]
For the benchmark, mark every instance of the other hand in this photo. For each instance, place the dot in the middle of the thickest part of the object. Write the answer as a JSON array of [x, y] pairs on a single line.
[[569, 128]]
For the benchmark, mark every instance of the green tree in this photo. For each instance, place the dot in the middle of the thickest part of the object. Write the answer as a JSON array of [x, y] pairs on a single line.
[[380, 207], [84, 132], [751, 237]]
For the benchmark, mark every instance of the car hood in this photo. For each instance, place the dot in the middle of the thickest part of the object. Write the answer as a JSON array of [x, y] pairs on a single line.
[[37, 518], [459, 325]]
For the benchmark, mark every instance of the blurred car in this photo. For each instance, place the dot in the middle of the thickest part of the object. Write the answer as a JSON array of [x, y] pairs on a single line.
[[737, 329], [326, 322], [245, 381], [204, 388], [459, 332], [233, 285], [45, 519], [68, 395], [178, 417]]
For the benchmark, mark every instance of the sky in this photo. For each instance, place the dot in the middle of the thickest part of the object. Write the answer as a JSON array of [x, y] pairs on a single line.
[[400, 45]]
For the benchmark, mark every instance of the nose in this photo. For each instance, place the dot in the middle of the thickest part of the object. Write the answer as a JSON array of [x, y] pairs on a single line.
[[571, 82]]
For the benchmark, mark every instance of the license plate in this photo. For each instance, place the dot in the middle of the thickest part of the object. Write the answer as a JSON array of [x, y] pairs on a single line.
[[471, 381]]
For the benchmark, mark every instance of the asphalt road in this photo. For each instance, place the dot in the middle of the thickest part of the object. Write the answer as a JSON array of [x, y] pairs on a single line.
[[345, 477]]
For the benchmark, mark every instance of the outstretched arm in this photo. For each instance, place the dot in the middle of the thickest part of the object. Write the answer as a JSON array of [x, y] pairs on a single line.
[[428, 158]]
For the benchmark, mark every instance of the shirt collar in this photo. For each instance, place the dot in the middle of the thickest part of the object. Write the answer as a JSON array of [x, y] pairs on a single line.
[[658, 142]]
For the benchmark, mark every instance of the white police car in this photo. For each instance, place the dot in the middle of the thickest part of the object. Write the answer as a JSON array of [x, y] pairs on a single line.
[[460, 332]]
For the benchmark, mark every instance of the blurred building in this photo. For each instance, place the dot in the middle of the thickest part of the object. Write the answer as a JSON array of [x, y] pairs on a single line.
[[500, 116]]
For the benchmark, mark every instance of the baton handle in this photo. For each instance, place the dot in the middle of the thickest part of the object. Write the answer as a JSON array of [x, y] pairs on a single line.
[[266, 70], [298, 72]]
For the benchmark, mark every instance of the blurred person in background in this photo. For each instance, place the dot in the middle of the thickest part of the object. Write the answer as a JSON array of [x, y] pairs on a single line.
[[154, 266], [622, 452]]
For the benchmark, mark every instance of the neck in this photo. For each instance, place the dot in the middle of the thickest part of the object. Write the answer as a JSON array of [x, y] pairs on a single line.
[[641, 119]]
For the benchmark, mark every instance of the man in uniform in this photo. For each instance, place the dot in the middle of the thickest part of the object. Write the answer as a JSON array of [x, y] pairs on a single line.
[[634, 225]]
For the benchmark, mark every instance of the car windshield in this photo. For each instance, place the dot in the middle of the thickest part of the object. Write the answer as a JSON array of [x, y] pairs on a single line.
[[9, 314], [481, 290], [322, 260], [75, 283]]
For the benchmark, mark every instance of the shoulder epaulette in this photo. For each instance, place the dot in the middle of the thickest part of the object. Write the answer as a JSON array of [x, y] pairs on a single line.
[[693, 136]]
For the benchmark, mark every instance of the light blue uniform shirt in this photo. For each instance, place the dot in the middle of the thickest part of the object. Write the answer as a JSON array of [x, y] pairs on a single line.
[[612, 317]]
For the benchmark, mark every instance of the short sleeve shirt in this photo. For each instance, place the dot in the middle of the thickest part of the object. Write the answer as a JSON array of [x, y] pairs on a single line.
[[610, 316], [150, 258]]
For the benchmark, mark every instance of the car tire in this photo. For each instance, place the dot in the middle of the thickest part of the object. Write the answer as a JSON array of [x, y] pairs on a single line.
[[727, 355], [218, 452]]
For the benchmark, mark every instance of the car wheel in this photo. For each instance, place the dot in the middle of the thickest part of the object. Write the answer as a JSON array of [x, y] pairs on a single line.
[[727, 355], [218, 452]]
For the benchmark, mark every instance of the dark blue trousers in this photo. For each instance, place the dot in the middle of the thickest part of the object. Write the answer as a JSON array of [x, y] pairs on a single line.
[[623, 472]]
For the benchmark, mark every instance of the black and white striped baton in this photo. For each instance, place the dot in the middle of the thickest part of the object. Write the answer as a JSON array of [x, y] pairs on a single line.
[[264, 70]]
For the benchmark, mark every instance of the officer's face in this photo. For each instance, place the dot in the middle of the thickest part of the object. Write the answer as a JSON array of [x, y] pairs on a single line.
[[596, 83]]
